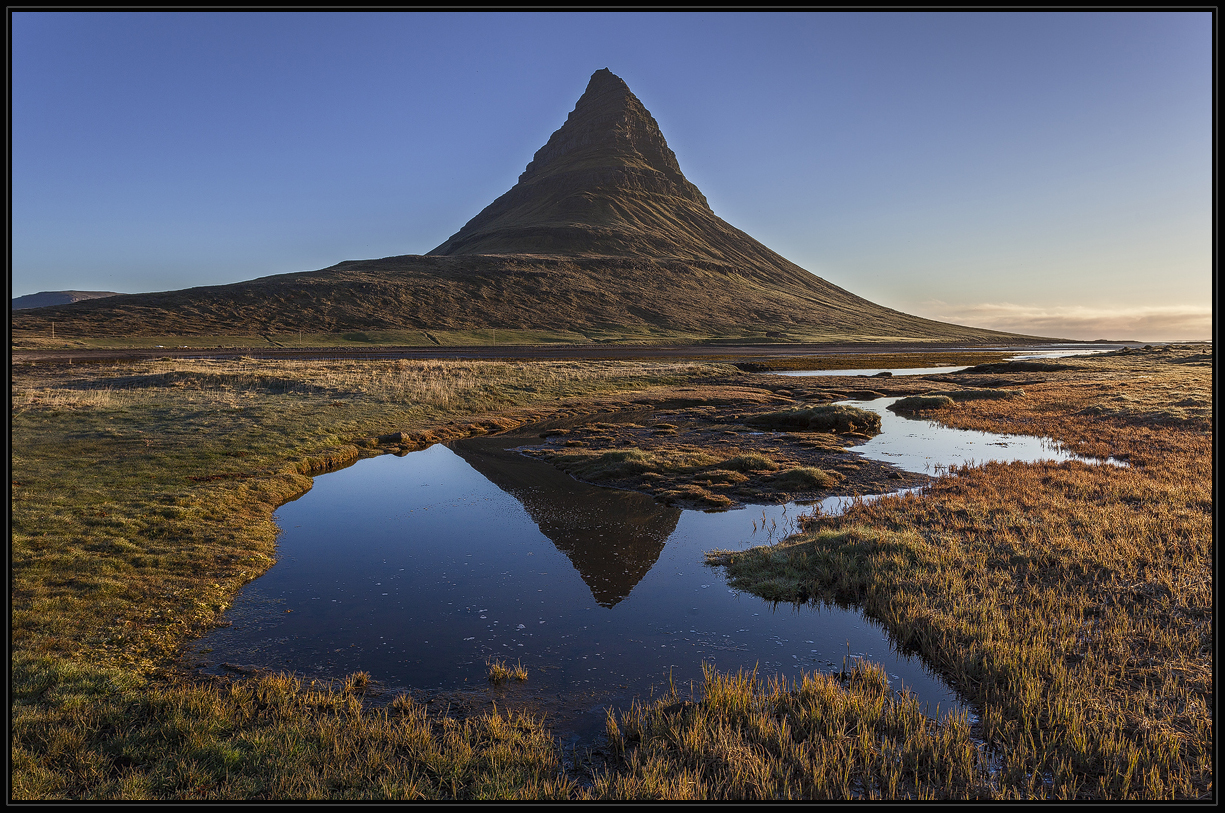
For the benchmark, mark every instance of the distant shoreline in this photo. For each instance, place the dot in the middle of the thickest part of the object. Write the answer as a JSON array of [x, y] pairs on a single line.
[[552, 352]]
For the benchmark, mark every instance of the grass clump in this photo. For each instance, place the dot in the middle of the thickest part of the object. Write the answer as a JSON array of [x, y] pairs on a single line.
[[839, 418], [979, 395], [921, 403], [805, 478], [620, 464], [749, 462], [499, 672], [721, 476]]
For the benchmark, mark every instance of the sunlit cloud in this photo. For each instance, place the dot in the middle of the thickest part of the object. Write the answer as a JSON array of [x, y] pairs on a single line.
[[1157, 323]]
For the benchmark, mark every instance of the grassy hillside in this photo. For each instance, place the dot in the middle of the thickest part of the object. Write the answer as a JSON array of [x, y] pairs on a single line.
[[567, 298]]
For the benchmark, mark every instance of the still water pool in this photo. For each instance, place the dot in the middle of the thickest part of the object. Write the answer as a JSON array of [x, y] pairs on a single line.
[[420, 569]]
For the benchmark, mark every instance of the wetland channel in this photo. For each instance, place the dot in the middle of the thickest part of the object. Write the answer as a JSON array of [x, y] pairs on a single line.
[[421, 569]]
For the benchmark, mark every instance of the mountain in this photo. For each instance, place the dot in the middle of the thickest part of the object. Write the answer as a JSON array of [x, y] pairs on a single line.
[[45, 298], [602, 235]]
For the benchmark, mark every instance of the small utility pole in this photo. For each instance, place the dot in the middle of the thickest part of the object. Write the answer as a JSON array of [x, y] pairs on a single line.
[[53, 330]]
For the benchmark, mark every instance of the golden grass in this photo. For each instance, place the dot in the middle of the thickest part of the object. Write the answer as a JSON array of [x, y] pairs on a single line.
[[142, 494], [81, 732], [500, 672], [1072, 603], [815, 738]]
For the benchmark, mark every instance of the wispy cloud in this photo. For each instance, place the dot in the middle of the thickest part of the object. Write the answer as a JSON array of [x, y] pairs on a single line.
[[1158, 323]]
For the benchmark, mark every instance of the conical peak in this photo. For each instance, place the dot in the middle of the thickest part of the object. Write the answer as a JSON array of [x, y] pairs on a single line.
[[606, 183], [609, 127]]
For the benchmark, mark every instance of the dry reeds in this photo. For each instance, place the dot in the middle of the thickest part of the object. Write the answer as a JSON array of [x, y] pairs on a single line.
[[1072, 603]]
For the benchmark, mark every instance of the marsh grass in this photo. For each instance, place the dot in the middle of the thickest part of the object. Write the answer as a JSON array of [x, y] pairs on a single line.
[[823, 418], [1071, 603], [978, 395], [141, 502], [500, 672], [142, 494], [921, 403], [81, 731], [805, 478], [743, 738]]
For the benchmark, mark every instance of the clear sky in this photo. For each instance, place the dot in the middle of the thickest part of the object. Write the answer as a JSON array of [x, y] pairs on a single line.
[[1048, 173]]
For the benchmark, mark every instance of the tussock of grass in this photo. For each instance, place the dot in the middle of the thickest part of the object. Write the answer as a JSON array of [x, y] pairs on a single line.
[[619, 464], [826, 418], [500, 672], [921, 403], [721, 476], [805, 478], [979, 395], [749, 461]]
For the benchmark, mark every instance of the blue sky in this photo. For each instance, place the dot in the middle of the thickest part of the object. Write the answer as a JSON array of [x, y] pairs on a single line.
[[1049, 173]]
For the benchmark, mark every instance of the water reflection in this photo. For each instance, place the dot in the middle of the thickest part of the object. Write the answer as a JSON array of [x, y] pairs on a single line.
[[421, 569], [928, 447], [611, 537]]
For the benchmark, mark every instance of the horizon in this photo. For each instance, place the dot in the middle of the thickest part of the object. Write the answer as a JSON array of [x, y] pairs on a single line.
[[1047, 174]]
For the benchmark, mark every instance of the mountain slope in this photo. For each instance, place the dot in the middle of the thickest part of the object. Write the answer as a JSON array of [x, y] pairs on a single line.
[[44, 298], [527, 292], [602, 232]]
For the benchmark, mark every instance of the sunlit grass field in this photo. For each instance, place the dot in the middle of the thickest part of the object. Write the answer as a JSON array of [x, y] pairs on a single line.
[[1072, 604]]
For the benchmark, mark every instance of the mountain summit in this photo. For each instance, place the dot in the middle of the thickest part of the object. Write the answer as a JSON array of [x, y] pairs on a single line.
[[606, 183], [602, 239]]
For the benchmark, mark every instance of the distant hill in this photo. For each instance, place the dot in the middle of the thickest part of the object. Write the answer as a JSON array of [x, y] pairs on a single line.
[[602, 233], [44, 298]]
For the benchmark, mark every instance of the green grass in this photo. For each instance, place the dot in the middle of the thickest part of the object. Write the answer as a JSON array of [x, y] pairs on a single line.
[[142, 493]]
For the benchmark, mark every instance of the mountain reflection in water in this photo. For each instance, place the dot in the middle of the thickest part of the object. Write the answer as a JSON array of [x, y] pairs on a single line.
[[613, 538], [420, 570]]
